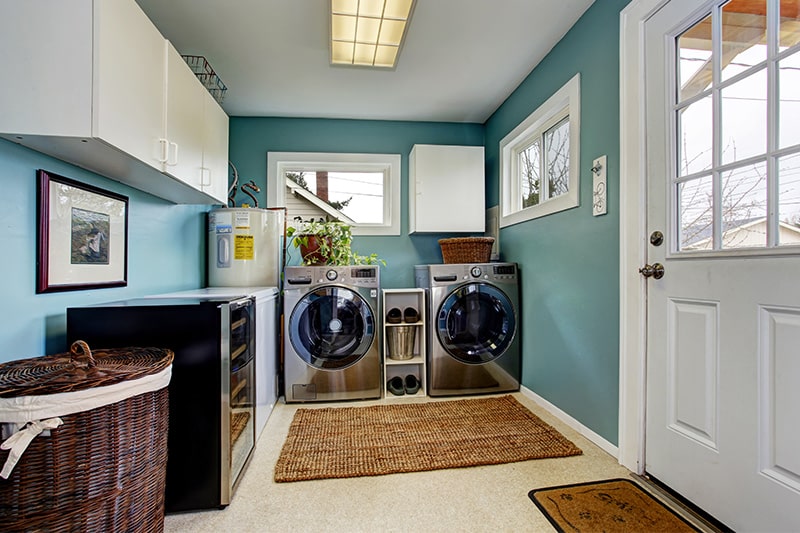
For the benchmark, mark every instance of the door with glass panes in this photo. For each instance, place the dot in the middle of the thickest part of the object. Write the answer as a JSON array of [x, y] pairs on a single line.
[[723, 262]]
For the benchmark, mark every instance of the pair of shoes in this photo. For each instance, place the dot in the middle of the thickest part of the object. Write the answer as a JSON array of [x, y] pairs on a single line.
[[410, 315], [394, 316], [398, 386]]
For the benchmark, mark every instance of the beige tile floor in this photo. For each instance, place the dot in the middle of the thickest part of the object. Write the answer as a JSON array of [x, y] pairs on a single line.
[[486, 498]]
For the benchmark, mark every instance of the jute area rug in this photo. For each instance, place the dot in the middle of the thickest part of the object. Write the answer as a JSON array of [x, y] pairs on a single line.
[[386, 439], [613, 506]]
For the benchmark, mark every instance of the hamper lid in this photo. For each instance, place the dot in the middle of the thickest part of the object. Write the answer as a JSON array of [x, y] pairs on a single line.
[[80, 369]]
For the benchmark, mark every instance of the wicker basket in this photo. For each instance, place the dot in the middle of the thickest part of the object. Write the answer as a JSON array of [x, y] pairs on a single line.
[[103, 469], [467, 249]]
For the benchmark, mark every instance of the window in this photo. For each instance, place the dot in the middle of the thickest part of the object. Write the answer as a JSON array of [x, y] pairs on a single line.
[[539, 159], [735, 112], [362, 190]]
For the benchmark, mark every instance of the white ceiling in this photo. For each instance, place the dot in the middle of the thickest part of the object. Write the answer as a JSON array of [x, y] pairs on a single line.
[[461, 59]]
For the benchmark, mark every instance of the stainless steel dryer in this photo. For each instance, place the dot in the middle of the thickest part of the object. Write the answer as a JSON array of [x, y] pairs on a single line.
[[331, 333], [473, 337]]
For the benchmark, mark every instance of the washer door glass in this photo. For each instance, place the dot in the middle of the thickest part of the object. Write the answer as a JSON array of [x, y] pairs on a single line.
[[476, 323], [331, 327]]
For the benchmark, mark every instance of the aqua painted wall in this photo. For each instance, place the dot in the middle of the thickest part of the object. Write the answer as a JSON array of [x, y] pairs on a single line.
[[570, 260], [166, 252], [252, 138]]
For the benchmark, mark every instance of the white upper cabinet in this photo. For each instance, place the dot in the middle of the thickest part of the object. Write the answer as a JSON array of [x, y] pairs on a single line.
[[446, 189], [184, 124], [215, 149], [97, 85]]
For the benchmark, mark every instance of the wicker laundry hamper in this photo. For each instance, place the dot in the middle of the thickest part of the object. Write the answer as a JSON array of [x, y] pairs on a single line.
[[100, 462], [466, 249]]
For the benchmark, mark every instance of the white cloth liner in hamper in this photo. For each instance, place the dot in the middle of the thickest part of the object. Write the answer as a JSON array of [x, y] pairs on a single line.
[[34, 414]]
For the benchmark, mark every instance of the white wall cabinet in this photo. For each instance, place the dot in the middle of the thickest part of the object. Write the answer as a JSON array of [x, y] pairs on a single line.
[[89, 86], [402, 299], [446, 189]]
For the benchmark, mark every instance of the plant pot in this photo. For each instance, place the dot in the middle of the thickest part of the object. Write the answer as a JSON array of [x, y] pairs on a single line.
[[310, 249]]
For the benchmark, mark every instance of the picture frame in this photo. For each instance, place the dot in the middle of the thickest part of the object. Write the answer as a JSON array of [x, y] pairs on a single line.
[[82, 236]]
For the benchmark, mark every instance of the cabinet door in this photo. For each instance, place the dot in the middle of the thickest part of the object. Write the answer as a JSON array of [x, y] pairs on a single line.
[[128, 95], [184, 126], [446, 189], [47, 72], [215, 150]]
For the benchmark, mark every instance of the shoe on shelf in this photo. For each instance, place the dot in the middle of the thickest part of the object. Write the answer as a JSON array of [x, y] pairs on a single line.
[[412, 384], [410, 315], [394, 316], [395, 386]]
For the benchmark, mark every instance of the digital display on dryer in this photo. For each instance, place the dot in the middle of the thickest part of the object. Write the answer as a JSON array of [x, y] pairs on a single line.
[[363, 273]]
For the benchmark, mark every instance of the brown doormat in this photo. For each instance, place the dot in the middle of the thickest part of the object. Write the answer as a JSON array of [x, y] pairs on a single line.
[[615, 505], [386, 439]]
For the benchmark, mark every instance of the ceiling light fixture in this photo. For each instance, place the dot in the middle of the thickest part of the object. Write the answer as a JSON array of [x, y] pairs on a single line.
[[368, 33]]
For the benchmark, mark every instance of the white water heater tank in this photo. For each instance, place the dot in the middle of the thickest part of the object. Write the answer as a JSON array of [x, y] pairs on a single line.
[[244, 246]]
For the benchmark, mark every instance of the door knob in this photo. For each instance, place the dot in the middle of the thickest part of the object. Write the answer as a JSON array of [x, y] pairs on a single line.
[[656, 270]]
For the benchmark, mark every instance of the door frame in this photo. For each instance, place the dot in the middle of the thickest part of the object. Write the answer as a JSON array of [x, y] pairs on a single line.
[[633, 235]]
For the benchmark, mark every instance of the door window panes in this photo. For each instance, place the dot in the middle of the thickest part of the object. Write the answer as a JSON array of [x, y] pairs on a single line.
[[789, 21], [695, 198], [744, 118], [789, 200], [744, 206], [736, 118], [744, 36], [789, 90], [694, 65], [695, 125]]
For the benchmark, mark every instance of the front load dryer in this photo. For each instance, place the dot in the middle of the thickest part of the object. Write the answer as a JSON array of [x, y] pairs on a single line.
[[473, 337], [331, 333]]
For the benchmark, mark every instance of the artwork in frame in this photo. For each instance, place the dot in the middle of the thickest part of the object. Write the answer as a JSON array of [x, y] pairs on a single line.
[[82, 236]]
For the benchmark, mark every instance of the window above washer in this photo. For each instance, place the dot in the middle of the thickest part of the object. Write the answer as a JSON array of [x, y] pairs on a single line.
[[362, 190], [539, 159]]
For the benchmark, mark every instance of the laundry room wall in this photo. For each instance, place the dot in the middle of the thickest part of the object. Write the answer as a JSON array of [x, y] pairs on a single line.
[[166, 252], [570, 260], [251, 138]]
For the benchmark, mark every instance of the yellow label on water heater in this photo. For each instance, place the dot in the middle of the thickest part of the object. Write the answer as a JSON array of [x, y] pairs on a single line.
[[243, 248]]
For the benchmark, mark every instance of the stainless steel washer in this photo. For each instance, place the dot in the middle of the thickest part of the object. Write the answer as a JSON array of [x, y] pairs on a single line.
[[473, 337], [331, 333]]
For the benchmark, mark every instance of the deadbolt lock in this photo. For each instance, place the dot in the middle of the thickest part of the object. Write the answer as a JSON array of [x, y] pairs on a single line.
[[656, 238]]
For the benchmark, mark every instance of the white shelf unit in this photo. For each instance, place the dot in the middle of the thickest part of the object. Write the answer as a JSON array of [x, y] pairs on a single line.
[[402, 299]]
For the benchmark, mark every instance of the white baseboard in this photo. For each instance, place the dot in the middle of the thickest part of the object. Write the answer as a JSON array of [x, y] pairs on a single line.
[[571, 422]]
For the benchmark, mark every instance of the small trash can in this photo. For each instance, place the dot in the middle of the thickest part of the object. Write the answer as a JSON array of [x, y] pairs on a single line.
[[84, 440], [401, 341]]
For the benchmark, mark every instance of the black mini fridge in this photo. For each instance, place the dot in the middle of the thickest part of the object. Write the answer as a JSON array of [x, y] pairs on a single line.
[[212, 390]]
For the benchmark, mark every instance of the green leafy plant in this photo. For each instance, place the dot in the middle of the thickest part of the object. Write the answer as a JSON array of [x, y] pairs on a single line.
[[322, 241]]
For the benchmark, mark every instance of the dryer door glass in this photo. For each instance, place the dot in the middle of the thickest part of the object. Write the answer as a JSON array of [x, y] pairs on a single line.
[[476, 323], [331, 327]]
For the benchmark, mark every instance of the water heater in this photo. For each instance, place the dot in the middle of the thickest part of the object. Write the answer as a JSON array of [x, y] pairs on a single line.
[[244, 247]]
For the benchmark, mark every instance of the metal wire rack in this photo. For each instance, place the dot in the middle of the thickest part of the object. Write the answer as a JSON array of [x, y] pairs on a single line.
[[202, 69]]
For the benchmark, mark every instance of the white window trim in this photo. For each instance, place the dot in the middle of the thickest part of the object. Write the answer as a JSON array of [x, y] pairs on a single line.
[[279, 162], [566, 101]]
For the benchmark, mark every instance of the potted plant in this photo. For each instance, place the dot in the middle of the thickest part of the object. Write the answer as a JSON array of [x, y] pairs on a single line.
[[326, 242]]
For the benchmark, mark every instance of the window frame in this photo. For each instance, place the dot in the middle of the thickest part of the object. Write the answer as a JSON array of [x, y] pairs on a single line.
[[564, 103], [278, 163]]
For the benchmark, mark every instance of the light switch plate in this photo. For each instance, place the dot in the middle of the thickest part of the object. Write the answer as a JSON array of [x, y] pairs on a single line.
[[599, 195]]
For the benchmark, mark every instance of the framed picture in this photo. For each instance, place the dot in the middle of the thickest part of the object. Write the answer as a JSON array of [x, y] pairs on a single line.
[[82, 236]]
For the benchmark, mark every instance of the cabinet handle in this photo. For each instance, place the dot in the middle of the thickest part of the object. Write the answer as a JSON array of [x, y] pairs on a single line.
[[164, 144], [205, 172], [173, 161]]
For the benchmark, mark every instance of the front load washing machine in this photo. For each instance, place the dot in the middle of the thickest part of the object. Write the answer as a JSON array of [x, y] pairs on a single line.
[[331, 333], [473, 337]]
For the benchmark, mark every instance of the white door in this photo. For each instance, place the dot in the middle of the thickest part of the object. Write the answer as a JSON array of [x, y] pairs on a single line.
[[723, 334]]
